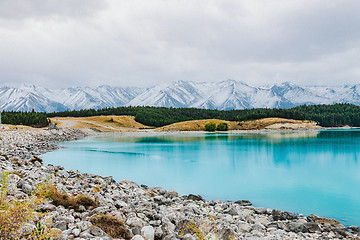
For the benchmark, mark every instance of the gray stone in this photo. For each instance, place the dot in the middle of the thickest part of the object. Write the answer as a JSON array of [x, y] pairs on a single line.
[[188, 236], [244, 226], [148, 232], [47, 207], [136, 231], [83, 225], [135, 222], [281, 215], [158, 232], [257, 227], [63, 173], [260, 210], [195, 197], [137, 237], [67, 219], [27, 188], [297, 227], [312, 227], [76, 232], [86, 235], [243, 202], [96, 231], [60, 225]]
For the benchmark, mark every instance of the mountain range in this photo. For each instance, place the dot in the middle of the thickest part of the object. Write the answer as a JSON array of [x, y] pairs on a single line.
[[224, 95]]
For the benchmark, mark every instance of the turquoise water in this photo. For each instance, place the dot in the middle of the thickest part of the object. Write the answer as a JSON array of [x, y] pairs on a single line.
[[303, 172]]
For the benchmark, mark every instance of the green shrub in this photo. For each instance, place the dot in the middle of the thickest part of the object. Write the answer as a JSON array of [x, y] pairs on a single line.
[[210, 126], [223, 126]]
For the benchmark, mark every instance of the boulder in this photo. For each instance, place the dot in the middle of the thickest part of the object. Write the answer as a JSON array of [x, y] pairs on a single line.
[[148, 232]]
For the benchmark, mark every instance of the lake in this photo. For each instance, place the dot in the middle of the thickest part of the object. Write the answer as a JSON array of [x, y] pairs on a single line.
[[304, 172]]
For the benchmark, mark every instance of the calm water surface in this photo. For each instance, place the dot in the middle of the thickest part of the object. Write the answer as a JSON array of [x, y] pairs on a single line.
[[304, 172]]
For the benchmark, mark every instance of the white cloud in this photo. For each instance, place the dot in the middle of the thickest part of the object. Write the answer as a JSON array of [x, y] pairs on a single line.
[[138, 42]]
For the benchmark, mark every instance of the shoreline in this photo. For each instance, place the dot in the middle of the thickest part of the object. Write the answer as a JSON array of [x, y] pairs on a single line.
[[156, 211]]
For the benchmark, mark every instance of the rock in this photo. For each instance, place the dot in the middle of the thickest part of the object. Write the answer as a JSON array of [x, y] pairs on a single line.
[[135, 222], [81, 208], [158, 232], [244, 226], [67, 219], [96, 231], [354, 229], [281, 215], [63, 173], [243, 202], [188, 236], [312, 227], [148, 232], [86, 235], [171, 194], [136, 231], [227, 233], [232, 211], [76, 232], [137, 237], [83, 225], [260, 210], [47, 207], [195, 197], [297, 227], [257, 227], [325, 221], [27, 188], [60, 225]]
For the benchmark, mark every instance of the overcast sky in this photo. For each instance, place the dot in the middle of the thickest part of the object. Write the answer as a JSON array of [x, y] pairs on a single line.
[[142, 43]]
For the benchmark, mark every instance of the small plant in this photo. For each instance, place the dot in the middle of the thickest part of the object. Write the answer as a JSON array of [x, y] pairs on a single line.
[[111, 225], [223, 126], [16, 173], [210, 126], [16, 162], [110, 120], [48, 191], [15, 213], [203, 231], [42, 232], [36, 159]]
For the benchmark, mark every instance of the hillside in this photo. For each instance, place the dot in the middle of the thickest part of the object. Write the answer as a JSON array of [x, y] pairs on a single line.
[[265, 123]]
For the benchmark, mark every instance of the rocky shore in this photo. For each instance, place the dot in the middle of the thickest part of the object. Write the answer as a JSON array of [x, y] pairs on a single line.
[[147, 213]]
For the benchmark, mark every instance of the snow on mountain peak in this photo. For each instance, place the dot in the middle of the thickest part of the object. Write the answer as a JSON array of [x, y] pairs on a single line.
[[226, 94]]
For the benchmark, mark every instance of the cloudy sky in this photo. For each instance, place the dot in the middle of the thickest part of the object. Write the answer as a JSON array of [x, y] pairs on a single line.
[[142, 43]]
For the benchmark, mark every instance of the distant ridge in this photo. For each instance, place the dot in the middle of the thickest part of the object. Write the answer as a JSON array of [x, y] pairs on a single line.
[[224, 95]]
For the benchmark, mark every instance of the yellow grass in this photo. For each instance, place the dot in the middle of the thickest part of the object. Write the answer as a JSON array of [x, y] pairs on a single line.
[[273, 123], [277, 123], [101, 123]]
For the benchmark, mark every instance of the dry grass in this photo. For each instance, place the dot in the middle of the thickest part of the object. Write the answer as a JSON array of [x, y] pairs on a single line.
[[36, 159], [47, 190], [194, 125], [128, 123], [102, 123], [111, 225], [199, 125], [16, 173], [71, 202], [277, 123]]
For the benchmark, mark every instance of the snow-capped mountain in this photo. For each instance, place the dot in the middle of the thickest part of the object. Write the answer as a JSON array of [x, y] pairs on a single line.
[[223, 95], [28, 97]]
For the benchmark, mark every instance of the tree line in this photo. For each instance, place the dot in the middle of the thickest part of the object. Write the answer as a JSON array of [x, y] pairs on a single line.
[[334, 115], [34, 119]]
